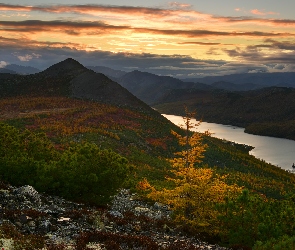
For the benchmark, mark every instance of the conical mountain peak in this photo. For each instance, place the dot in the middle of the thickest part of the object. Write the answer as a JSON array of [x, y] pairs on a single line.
[[69, 65]]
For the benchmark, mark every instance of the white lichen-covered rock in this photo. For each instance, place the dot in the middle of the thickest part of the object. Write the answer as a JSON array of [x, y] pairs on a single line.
[[29, 192]]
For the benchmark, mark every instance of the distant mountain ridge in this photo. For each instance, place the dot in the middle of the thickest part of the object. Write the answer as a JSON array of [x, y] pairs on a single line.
[[6, 71], [267, 111], [109, 72], [286, 79], [70, 78], [150, 87], [22, 70]]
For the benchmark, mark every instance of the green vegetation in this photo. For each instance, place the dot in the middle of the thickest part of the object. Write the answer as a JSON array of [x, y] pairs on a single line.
[[85, 151], [81, 172]]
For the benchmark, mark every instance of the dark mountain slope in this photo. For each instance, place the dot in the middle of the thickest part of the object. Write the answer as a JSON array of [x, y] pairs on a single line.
[[98, 87], [234, 86], [112, 73], [149, 87], [69, 78], [268, 111]]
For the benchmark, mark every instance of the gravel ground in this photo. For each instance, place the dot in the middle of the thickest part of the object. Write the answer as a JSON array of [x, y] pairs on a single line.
[[129, 223]]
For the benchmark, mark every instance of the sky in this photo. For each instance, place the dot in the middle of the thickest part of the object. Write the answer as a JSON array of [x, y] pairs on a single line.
[[187, 39]]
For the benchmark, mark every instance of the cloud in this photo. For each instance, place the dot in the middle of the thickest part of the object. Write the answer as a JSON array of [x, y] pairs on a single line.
[[69, 27], [27, 57], [89, 32], [182, 14], [283, 45], [3, 64], [94, 28], [158, 64], [199, 43], [93, 9], [263, 13], [180, 5], [254, 54], [173, 65]]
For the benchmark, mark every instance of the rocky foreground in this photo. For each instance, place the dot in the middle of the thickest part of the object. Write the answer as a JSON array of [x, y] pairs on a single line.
[[29, 220]]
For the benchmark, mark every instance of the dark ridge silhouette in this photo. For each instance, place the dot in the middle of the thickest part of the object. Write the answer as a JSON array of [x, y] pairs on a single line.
[[69, 66], [111, 73], [150, 88], [70, 78]]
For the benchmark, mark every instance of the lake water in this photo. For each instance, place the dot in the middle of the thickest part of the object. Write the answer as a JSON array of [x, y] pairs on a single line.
[[277, 151]]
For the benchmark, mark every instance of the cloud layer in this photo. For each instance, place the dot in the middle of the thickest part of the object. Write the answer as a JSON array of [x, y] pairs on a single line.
[[176, 40]]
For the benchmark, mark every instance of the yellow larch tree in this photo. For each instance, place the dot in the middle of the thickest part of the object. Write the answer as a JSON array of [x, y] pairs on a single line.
[[196, 190]]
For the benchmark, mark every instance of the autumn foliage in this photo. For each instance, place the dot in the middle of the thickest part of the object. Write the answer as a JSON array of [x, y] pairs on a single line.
[[196, 190]]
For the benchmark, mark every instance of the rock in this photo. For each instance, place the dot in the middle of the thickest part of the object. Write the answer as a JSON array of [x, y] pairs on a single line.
[[28, 192], [18, 224], [31, 223], [23, 218], [61, 221], [44, 226], [141, 209], [137, 228], [116, 214]]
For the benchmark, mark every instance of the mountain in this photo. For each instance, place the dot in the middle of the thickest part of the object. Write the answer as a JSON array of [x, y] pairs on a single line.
[[83, 141], [149, 87], [268, 111], [69, 78], [285, 79], [6, 71], [234, 86], [22, 70], [111, 73]]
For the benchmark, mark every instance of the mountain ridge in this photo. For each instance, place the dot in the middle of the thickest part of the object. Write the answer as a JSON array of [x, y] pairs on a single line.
[[263, 79], [267, 111], [70, 78], [150, 87]]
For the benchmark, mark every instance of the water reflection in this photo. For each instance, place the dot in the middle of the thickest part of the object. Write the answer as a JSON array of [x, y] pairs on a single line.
[[277, 151]]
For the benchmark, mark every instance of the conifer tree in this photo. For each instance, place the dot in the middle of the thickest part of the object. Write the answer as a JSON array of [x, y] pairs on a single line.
[[196, 190]]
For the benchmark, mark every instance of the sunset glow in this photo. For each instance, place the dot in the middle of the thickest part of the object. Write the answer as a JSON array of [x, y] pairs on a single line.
[[171, 36]]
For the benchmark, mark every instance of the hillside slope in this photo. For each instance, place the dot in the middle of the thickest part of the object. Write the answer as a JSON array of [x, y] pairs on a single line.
[[268, 111], [150, 88], [96, 137], [71, 79]]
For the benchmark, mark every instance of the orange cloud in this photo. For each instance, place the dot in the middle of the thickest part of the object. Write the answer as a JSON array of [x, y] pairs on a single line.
[[261, 13], [72, 28], [95, 28], [180, 5], [181, 16]]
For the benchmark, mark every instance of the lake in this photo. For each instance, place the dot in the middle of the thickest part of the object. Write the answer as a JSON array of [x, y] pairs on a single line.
[[277, 151]]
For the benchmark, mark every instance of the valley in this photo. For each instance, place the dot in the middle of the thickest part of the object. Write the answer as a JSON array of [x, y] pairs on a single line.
[[69, 131]]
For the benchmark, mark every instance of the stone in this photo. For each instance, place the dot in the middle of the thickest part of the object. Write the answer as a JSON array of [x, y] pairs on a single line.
[[31, 223], [44, 226], [18, 224], [116, 214], [23, 218], [62, 221], [28, 192]]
